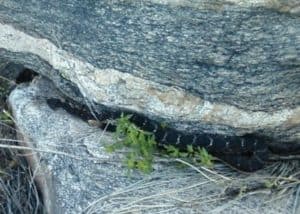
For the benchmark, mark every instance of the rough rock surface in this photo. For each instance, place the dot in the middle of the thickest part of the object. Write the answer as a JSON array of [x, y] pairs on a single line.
[[10, 70], [76, 175], [229, 67]]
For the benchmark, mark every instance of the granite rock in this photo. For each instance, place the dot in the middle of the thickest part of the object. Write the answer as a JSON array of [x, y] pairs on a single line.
[[76, 174], [228, 67]]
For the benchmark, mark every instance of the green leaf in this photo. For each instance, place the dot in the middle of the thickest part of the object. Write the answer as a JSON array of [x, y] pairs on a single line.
[[190, 149], [144, 166], [205, 158], [183, 154], [130, 163], [110, 148]]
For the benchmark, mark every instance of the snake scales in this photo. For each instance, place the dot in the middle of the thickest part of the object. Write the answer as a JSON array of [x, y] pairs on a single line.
[[247, 153]]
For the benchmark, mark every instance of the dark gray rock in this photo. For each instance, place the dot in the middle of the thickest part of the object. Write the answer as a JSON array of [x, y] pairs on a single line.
[[10, 70], [77, 175], [72, 167], [230, 67]]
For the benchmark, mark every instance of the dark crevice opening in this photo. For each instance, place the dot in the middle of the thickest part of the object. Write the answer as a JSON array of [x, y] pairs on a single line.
[[26, 75]]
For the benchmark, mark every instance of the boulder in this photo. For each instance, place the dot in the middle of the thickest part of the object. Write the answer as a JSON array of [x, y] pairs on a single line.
[[76, 175], [226, 67]]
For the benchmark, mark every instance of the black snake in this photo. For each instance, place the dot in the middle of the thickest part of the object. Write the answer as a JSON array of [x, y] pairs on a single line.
[[246, 153]]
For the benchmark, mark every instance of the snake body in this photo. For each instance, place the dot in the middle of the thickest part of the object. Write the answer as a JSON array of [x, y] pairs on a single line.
[[246, 153]]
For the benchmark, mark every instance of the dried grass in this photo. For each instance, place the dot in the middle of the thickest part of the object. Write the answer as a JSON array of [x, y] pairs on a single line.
[[18, 192]]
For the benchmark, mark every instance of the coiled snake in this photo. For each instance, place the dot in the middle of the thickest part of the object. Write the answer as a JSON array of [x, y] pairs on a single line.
[[247, 153]]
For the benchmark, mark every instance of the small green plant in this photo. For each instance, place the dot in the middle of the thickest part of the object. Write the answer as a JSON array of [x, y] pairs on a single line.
[[198, 156], [174, 152], [205, 158], [142, 145]]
